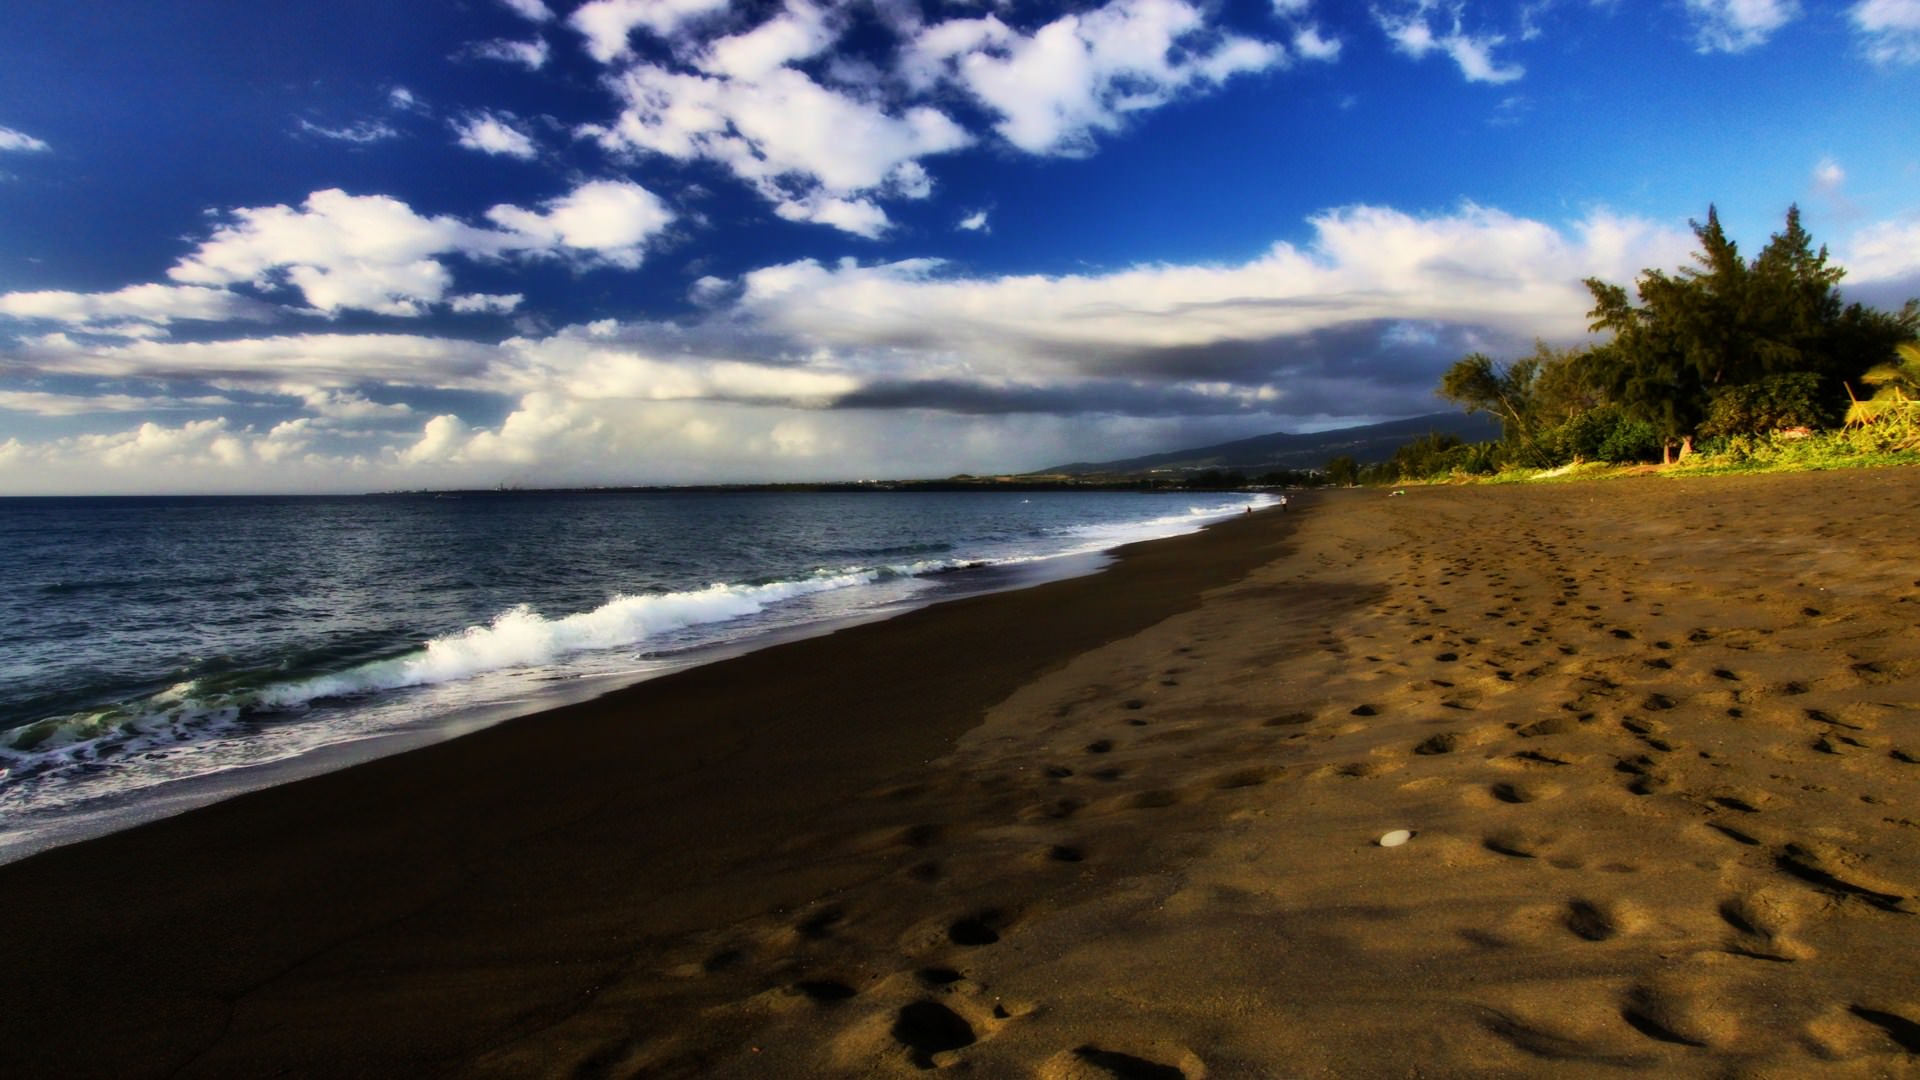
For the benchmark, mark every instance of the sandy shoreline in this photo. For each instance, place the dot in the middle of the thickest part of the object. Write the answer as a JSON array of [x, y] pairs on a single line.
[[1659, 743]]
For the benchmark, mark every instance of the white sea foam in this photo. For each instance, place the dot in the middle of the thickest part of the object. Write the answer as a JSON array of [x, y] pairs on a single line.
[[522, 637]]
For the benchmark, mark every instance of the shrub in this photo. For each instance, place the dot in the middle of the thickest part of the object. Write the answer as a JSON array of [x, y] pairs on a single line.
[[1772, 404], [1604, 434]]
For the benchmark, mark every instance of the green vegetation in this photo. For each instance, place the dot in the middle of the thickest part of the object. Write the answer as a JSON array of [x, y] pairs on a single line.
[[1728, 364]]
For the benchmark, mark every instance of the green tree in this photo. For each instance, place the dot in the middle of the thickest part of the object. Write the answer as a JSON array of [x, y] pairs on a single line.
[[1724, 322], [1566, 385], [1343, 471], [1478, 384]]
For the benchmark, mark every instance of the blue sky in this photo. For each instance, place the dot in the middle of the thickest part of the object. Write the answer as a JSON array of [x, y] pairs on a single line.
[[359, 246]]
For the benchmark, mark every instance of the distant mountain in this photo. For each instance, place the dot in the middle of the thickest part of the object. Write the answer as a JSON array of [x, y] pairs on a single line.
[[1280, 450]]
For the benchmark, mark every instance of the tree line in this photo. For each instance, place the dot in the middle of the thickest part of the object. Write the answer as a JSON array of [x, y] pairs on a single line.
[[1724, 349]]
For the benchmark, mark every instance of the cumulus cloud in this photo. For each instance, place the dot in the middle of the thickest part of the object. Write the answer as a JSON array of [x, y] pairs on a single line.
[[374, 253], [1081, 73], [1889, 30], [974, 222], [610, 221], [350, 406], [1419, 27], [800, 31], [608, 24], [828, 141], [814, 152], [370, 252], [494, 133], [12, 141], [1738, 25], [1311, 44]]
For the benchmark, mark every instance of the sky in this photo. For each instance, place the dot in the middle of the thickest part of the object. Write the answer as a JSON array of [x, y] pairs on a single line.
[[348, 246]]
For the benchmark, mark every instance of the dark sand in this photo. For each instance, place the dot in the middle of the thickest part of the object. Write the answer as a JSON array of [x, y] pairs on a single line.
[[1658, 740]]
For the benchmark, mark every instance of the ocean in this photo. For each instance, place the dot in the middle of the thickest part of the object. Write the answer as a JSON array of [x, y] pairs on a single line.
[[159, 653]]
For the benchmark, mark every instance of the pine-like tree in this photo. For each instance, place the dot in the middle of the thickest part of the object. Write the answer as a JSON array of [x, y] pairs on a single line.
[[1724, 322]]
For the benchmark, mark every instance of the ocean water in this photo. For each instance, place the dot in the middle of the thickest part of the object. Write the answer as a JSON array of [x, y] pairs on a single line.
[[157, 653]]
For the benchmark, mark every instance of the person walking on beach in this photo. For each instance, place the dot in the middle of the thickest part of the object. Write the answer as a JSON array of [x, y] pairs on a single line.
[[1283, 504]]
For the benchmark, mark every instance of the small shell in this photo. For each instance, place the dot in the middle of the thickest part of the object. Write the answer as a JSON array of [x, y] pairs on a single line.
[[1395, 838]]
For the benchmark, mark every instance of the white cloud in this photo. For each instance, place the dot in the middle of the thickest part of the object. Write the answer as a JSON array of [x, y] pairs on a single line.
[[363, 131], [800, 31], [370, 252], [494, 303], [335, 406], [1411, 26], [974, 222], [374, 253], [609, 220], [1890, 29], [495, 133], [290, 363], [1311, 44], [1738, 25], [531, 10], [1828, 176], [41, 403], [861, 217], [831, 143], [19, 142], [1477, 267], [809, 150], [404, 100], [531, 55], [1885, 251], [136, 305], [1081, 73], [607, 24]]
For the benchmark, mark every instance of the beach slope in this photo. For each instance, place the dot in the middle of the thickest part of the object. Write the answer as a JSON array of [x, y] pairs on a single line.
[[1656, 742]]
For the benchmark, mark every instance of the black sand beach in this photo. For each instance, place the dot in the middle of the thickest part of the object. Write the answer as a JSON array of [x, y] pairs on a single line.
[[1657, 743]]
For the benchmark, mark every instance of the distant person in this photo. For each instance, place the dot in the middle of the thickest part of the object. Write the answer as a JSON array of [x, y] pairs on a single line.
[[1283, 504]]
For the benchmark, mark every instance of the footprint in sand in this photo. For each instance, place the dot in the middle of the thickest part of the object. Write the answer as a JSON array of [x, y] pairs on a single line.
[[926, 1028], [1901, 1030], [1601, 921], [1836, 870], [1765, 920], [824, 991], [1095, 1063], [1681, 1012], [1252, 776], [1522, 791], [1518, 843]]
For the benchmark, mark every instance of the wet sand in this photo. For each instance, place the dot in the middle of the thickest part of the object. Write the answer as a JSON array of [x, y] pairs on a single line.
[[1657, 741]]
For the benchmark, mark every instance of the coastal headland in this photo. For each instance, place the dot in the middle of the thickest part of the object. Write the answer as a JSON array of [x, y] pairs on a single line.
[[1656, 742]]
